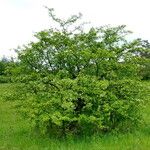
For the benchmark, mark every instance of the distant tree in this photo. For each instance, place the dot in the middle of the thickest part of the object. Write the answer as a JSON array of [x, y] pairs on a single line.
[[143, 52], [2, 68], [145, 71], [3, 64]]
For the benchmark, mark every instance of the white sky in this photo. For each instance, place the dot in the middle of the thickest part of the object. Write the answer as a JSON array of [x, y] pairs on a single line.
[[19, 19]]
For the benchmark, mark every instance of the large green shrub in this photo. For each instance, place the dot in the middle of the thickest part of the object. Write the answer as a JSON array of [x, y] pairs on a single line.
[[81, 81], [82, 104]]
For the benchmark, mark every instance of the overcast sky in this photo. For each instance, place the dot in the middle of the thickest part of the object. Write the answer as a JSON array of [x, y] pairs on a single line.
[[19, 19]]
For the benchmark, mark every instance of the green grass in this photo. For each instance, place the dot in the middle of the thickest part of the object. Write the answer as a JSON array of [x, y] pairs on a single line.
[[15, 133]]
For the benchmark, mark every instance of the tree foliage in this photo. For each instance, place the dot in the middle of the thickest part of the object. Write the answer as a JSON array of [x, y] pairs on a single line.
[[80, 80], [145, 56], [5, 65]]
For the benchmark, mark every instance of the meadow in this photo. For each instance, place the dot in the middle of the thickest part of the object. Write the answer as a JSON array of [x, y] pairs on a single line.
[[16, 134]]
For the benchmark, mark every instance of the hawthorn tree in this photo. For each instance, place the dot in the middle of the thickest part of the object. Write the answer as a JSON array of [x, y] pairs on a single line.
[[79, 81]]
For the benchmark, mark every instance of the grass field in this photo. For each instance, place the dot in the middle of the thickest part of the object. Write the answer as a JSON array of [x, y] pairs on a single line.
[[15, 133]]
